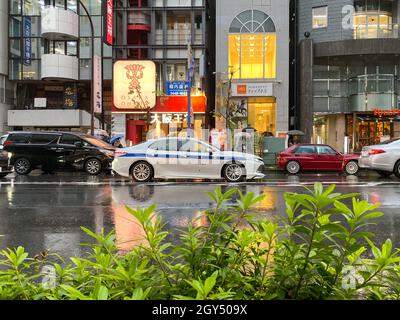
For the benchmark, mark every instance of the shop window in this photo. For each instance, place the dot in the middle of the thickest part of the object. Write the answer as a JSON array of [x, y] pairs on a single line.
[[262, 114], [373, 19], [252, 46], [320, 17]]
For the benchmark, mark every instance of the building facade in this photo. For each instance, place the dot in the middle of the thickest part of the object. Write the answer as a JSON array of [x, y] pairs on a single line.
[[49, 61], [164, 32], [348, 71], [6, 87], [253, 65]]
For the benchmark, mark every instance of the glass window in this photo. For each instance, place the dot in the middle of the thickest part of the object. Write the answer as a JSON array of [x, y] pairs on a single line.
[[305, 150], [85, 29], [72, 48], [252, 46], [320, 17], [262, 114], [15, 48], [325, 150], [15, 6], [31, 70], [33, 7], [15, 26], [19, 138], [70, 139], [15, 69], [107, 69], [192, 146], [85, 69], [72, 5], [94, 7], [162, 145], [43, 138]]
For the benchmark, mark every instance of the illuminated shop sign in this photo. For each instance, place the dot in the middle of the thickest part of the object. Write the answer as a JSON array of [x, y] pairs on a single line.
[[27, 41], [134, 85], [177, 88], [386, 113], [168, 118], [108, 21]]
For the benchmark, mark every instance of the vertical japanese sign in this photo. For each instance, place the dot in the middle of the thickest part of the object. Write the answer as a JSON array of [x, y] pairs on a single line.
[[108, 21], [98, 85], [27, 41], [70, 96]]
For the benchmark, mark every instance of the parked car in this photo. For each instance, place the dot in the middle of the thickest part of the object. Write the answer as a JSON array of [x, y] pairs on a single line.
[[57, 150], [317, 157], [384, 158], [5, 167], [2, 139], [186, 158]]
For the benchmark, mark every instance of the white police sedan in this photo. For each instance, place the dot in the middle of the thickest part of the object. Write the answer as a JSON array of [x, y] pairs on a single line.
[[185, 158]]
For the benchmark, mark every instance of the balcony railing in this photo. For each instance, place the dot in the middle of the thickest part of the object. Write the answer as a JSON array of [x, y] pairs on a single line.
[[175, 37], [377, 32]]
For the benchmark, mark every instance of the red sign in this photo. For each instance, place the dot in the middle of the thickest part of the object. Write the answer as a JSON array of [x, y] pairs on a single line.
[[386, 113], [242, 89], [172, 104], [109, 22]]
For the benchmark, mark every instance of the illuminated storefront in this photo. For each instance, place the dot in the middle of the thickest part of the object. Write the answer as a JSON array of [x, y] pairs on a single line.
[[252, 75], [139, 114]]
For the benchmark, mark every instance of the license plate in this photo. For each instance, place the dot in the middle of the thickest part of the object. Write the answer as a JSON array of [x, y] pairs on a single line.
[[1, 169], [365, 153]]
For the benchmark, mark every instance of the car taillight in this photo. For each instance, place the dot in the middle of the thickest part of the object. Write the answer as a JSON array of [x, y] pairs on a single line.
[[118, 154], [7, 143], [373, 152]]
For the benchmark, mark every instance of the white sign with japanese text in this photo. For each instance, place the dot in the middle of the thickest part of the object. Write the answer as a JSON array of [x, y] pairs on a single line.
[[252, 90]]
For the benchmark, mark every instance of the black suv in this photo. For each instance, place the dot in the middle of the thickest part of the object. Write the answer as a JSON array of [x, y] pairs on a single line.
[[58, 150]]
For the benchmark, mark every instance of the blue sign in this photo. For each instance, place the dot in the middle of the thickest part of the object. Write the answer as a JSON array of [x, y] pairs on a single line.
[[177, 88], [27, 41]]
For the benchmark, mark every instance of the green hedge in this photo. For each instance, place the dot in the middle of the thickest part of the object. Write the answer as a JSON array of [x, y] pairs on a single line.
[[320, 250]]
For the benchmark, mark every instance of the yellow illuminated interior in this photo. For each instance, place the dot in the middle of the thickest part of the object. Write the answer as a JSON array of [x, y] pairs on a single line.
[[253, 55], [372, 25], [262, 114]]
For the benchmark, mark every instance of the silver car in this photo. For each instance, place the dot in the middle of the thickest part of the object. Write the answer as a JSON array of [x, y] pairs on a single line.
[[384, 158]]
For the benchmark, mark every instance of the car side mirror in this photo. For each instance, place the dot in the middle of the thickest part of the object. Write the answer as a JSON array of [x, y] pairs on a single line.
[[78, 144]]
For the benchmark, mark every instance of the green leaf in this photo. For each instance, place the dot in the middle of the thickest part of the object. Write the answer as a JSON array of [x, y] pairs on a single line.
[[103, 293], [210, 283]]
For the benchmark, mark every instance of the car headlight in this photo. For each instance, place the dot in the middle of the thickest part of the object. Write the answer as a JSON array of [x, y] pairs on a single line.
[[108, 153]]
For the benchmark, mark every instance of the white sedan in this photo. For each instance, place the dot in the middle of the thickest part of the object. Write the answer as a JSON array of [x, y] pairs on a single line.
[[185, 158]]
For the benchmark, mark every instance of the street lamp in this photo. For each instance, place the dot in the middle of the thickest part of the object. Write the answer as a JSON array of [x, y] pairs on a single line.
[[92, 100]]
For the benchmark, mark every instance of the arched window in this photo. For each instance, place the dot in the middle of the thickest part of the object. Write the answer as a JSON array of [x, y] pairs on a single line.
[[252, 46]]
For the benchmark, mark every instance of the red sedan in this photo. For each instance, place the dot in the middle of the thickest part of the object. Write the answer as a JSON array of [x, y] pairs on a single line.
[[317, 157]]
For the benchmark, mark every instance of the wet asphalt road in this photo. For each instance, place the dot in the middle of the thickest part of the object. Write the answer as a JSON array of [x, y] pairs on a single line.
[[43, 211]]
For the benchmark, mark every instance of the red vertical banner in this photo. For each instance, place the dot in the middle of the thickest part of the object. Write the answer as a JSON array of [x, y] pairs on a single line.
[[108, 13]]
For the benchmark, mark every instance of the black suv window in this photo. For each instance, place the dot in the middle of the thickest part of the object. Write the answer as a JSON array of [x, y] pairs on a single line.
[[43, 138], [70, 139], [19, 137], [305, 150]]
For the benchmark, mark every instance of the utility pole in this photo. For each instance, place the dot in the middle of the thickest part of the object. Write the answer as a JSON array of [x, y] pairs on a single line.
[[190, 79], [92, 100]]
